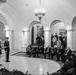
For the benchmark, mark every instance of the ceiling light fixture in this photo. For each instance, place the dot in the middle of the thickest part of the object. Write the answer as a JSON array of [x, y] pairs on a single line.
[[40, 12]]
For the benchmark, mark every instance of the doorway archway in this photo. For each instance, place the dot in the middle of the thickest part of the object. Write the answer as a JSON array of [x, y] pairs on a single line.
[[36, 30], [58, 31]]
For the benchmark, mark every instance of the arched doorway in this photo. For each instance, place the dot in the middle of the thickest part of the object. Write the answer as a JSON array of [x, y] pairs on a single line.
[[37, 31], [58, 33]]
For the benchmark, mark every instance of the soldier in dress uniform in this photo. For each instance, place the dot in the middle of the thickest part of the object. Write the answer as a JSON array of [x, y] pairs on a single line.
[[0, 50], [7, 49]]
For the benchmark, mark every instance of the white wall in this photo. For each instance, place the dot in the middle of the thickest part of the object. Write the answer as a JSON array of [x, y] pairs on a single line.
[[74, 38]]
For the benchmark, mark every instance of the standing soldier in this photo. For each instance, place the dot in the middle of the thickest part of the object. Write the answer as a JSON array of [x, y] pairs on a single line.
[[0, 50], [7, 49]]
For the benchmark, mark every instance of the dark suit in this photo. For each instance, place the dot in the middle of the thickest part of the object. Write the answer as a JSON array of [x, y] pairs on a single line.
[[7, 49]]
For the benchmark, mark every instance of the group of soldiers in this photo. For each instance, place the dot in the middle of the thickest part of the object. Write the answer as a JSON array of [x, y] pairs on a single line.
[[50, 52], [5, 46]]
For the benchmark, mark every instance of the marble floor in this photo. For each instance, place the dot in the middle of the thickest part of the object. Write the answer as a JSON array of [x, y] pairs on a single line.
[[32, 65]]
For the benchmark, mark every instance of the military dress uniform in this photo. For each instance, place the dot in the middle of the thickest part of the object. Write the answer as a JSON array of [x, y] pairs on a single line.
[[7, 50], [0, 52]]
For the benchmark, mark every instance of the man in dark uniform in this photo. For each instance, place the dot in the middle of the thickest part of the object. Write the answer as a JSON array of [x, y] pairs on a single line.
[[0, 50], [7, 49]]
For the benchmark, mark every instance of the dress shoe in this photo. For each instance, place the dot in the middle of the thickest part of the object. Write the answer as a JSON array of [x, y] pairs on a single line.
[[7, 61]]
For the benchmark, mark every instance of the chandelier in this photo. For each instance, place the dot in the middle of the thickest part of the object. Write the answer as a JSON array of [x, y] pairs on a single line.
[[40, 12]]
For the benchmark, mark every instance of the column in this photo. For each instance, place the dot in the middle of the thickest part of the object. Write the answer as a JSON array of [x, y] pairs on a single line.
[[12, 39], [26, 38], [35, 33], [46, 37], [70, 37]]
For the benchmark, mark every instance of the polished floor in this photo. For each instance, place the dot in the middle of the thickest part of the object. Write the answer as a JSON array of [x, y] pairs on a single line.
[[32, 65]]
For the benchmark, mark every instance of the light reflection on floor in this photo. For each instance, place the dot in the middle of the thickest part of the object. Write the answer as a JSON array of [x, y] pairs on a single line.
[[33, 65]]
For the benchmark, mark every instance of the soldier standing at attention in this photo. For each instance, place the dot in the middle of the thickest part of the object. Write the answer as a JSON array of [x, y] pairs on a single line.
[[7, 49], [0, 50]]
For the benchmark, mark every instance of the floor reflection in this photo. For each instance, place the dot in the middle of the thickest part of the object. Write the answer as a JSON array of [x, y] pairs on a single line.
[[33, 65]]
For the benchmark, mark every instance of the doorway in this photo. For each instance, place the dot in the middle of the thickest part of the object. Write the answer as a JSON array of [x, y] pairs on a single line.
[[36, 31]]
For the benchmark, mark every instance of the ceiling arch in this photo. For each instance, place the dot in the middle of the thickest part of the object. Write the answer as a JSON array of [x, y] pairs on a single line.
[[14, 12], [74, 21], [33, 23], [3, 19], [54, 22], [7, 18]]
